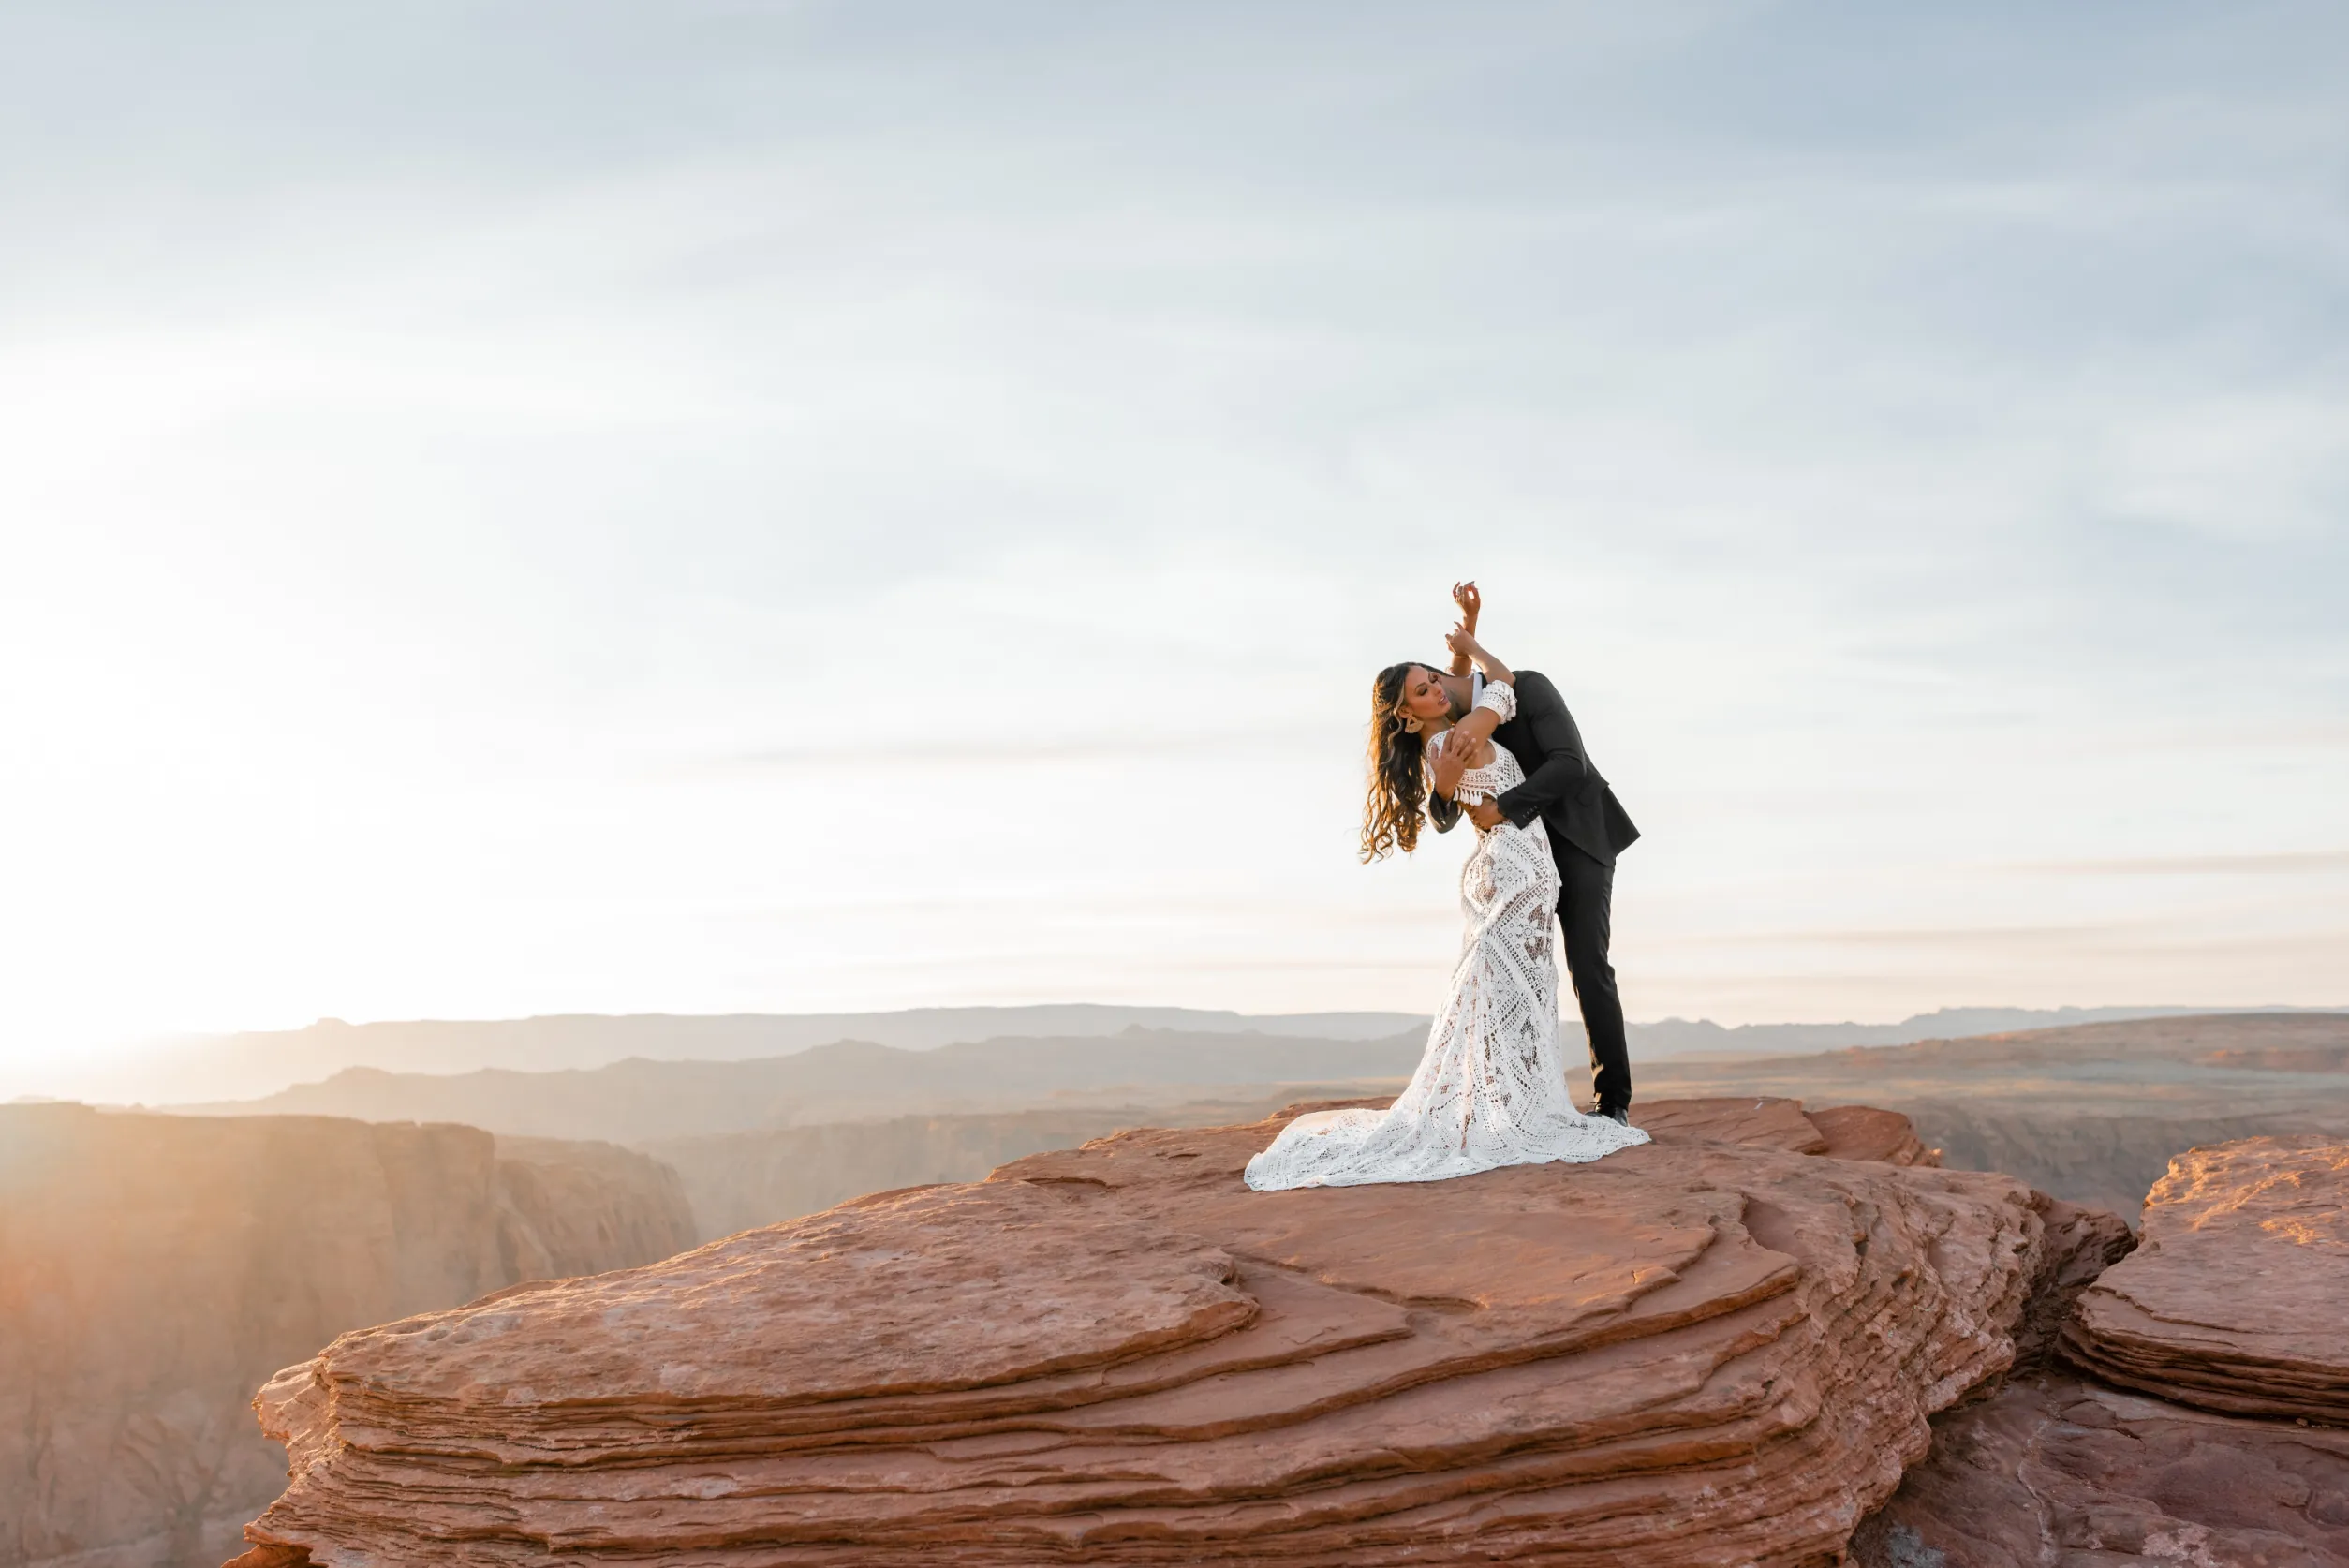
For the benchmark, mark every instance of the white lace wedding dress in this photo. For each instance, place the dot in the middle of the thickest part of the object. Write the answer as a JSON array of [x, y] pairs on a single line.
[[1491, 1088]]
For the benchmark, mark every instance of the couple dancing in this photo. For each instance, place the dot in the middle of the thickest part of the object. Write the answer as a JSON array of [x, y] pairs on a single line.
[[1498, 746]]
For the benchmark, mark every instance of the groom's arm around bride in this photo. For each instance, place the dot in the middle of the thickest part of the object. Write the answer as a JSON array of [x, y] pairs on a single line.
[[1560, 785]]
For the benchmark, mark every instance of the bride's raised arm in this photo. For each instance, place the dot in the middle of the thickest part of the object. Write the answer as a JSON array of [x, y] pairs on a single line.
[[1463, 745], [1471, 605]]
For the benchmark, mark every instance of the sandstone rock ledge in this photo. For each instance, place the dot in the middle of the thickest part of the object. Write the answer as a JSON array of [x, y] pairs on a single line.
[[2237, 1301], [1697, 1353]]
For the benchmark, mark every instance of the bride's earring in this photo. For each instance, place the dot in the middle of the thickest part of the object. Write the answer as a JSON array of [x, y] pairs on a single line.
[[1410, 724]]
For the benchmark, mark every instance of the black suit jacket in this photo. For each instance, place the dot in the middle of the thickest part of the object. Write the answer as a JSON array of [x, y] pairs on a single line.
[[1561, 786]]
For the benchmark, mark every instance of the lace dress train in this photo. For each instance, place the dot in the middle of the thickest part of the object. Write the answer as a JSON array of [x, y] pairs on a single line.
[[1491, 1087]]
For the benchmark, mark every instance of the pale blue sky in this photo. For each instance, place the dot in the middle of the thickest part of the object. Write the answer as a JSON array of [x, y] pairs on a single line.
[[706, 507]]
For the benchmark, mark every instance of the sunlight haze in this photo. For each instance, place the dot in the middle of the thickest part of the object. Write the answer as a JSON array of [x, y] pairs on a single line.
[[730, 507]]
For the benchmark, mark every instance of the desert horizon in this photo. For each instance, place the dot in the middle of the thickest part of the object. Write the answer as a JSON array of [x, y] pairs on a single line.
[[198, 1068]]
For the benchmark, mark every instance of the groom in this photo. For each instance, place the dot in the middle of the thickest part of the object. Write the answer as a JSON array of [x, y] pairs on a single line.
[[1588, 829]]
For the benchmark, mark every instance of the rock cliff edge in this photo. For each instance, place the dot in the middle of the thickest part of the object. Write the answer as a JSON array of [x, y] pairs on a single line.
[[1719, 1349]]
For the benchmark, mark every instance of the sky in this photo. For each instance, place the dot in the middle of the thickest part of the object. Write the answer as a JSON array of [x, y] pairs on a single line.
[[714, 507]]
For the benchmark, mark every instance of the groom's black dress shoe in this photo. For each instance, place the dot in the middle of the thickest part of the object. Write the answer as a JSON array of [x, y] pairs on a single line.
[[1614, 1114]]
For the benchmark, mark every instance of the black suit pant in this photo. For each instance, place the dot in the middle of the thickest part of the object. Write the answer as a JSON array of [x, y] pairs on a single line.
[[1586, 896]]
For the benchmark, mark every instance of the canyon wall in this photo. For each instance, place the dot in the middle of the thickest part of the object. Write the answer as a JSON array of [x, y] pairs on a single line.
[[155, 1270]]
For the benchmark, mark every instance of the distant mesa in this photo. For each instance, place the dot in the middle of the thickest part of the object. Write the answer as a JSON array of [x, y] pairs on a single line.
[[249, 1065], [640, 1100], [1680, 1037]]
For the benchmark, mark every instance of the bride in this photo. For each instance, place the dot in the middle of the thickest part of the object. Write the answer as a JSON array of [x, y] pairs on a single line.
[[1491, 1088]]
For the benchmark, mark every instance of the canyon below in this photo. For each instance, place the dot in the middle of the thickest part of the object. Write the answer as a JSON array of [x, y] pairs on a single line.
[[1876, 1304], [155, 1269]]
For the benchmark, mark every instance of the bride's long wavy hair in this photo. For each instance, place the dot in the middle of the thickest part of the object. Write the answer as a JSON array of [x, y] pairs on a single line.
[[1399, 767]]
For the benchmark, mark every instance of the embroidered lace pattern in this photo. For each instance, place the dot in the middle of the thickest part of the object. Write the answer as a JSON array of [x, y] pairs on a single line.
[[1491, 1087]]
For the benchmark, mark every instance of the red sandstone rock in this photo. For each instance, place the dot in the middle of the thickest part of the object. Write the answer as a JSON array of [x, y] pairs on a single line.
[[2057, 1473], [1696, 1353], [1762, 1121], [1865, 1132], [2238, 1300]]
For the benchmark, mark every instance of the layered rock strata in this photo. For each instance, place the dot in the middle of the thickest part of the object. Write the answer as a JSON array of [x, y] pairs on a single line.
[[1700, 1351], [2052, 1473], [2238, 1300], [154, 1270]]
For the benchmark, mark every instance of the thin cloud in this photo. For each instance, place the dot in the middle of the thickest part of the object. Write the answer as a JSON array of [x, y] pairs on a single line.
[[1008, 751], [1954, 937], [2289, 862]]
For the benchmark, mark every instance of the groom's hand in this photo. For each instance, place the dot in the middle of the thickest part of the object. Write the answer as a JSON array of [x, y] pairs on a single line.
[[1486, 815]]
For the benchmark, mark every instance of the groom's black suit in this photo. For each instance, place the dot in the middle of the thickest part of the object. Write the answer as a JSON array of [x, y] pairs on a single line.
[[1588, 829]]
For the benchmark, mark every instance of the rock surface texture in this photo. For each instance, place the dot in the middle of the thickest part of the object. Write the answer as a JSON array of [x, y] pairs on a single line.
[[154, 1270], [2057, 1473], [2237, 1301], [1702, 1352]]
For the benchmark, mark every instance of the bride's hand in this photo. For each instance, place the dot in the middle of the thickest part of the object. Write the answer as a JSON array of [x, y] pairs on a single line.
[[1469, 600], [1460, 640], [1447, 772]]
